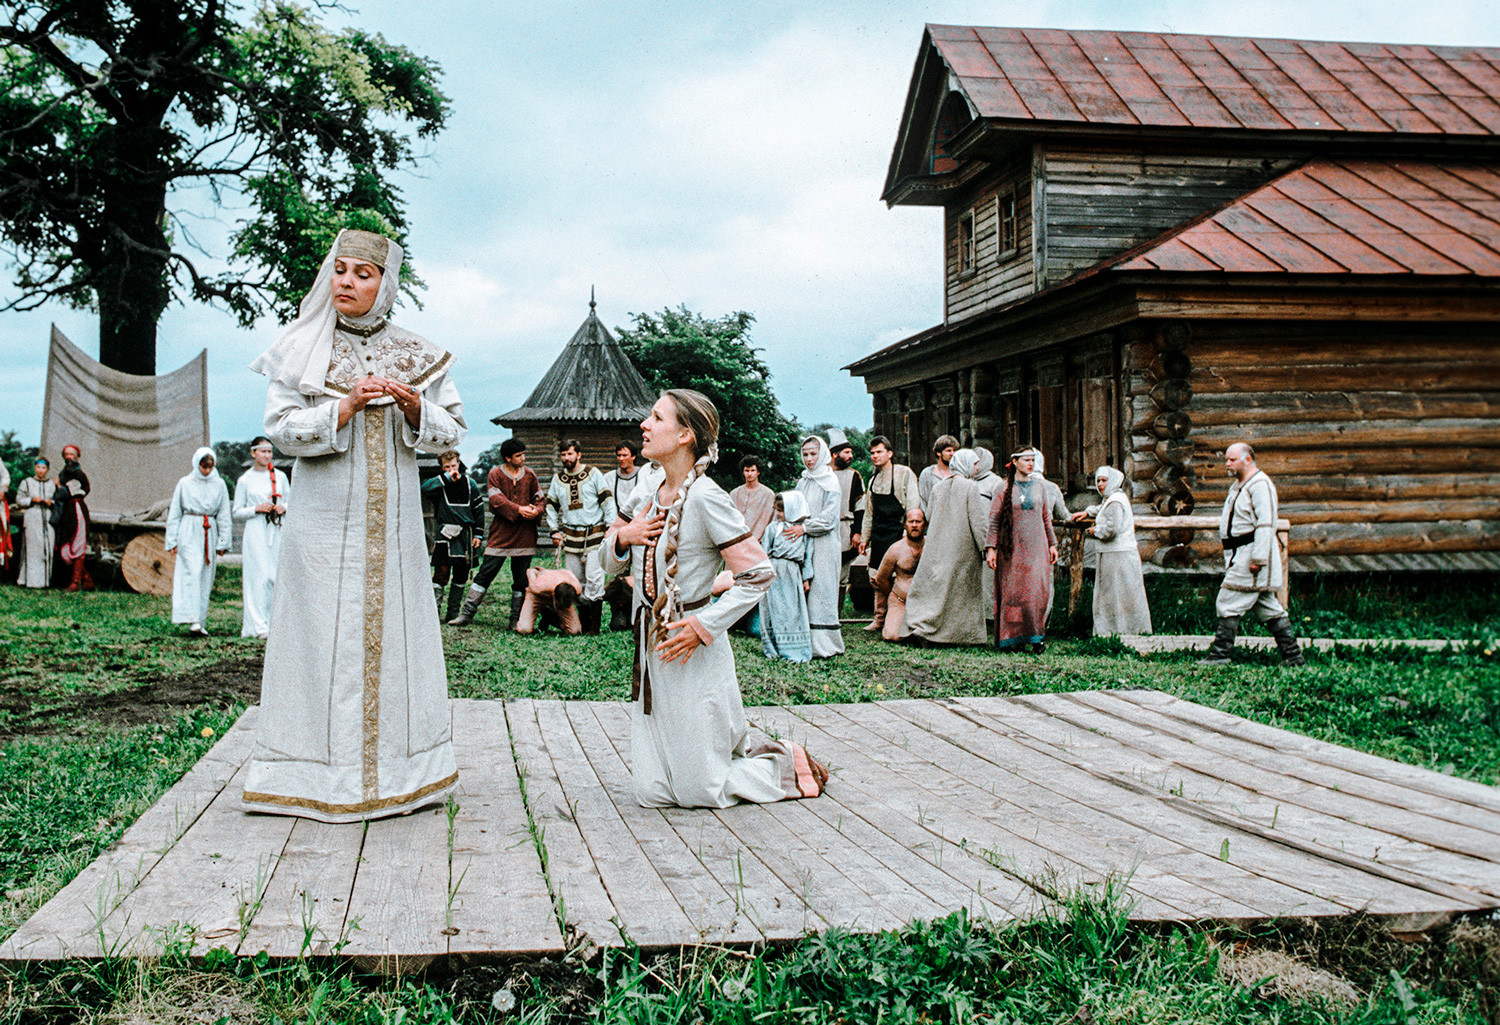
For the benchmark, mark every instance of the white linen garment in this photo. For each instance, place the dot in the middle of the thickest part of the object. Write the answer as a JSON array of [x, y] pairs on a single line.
[[198, 525], [821, 490], [36, 529], [260, 545]]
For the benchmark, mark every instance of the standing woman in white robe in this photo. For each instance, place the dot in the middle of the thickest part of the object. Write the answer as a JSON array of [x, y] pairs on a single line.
[[1120, 605], [198, 530], [825, 497], [35, 497], [260, 502], [688, 734], [354, 717]]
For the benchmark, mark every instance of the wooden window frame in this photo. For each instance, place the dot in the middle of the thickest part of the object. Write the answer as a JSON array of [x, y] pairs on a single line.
[[1007, 227], [968, 255]]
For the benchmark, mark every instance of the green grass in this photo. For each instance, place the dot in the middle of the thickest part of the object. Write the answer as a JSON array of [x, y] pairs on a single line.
[[74, 778]]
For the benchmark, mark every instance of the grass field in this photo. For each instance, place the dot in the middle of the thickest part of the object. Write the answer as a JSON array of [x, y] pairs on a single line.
[[103, 704]]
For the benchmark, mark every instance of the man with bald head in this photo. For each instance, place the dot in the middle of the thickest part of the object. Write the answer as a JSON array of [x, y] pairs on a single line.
[[1252, 565]]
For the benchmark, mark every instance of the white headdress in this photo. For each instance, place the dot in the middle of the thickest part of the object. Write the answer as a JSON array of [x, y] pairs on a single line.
[[822, 472]]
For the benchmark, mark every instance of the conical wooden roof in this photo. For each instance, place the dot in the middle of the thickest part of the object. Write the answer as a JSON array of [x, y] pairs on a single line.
[[592, 381]]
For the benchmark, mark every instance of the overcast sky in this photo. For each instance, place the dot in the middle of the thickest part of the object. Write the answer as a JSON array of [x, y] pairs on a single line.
[[723, 155]]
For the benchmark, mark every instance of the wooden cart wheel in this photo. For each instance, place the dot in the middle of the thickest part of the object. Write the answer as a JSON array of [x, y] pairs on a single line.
[[146, 565]]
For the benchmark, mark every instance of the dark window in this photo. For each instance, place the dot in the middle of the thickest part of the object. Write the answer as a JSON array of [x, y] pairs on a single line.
[[966, 243], [1006, 224]]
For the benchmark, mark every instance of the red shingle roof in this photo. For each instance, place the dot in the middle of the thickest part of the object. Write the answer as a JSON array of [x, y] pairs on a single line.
[[1347, 217], [1160, 80]]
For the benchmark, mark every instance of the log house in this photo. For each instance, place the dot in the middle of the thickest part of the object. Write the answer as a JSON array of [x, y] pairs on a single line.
[[1159, 244]]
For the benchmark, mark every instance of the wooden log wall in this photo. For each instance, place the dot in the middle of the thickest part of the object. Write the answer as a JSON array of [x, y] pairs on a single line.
[[1382, 439]]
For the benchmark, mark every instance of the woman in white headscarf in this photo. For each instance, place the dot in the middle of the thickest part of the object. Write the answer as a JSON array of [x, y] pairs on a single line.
[[784, 631], [1022, 549], [820, 488], [198, 530], [989, 483], [944, 603], [1120, 605], [354, 719]]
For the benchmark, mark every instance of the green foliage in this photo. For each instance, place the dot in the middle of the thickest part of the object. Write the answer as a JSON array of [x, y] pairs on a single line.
[[112, 110], [682, 349], [490, 458], [19, 459]]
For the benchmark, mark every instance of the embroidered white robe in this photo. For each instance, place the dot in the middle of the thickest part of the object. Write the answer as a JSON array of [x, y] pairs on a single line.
[[198, 525], [260, 545]]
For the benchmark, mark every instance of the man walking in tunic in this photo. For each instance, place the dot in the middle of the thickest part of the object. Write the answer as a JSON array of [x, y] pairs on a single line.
[[458, 517], [1252, 564], [892, 581], [851, 498], [580, 509], [893, 493], [942, 452]]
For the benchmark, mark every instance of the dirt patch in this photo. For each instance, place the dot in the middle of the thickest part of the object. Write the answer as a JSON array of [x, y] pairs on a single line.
[[155, 701], [1272, 973]]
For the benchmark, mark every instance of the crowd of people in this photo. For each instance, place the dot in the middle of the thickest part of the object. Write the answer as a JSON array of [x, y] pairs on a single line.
[[54, 522]]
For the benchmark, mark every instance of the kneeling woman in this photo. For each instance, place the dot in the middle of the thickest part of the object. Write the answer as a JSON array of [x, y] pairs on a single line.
[[688, 729]]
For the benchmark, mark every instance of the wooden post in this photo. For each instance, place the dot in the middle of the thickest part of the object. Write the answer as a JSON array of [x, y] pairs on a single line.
[[1075, 562], [1283, 544]]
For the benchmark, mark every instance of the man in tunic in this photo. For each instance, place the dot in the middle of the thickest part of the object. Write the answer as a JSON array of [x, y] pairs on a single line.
[[893, 493], [515, 497], [555, 591], [34, 497], [458, 518], [623, 483], [942, 453], [580, 508], [260, 497], [898, 566], [852, 493], [198, 530], [73, 523], [354, 715], [1252, 563], [942, 606], [754, 500]]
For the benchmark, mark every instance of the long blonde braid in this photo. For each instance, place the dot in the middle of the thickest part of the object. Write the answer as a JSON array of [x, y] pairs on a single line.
[[697, 413]]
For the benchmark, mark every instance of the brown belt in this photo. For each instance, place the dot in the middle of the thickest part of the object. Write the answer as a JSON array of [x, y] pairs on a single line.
[[640, 679]]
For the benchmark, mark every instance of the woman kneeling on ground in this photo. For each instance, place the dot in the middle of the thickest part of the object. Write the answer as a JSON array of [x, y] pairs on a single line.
[[688, 730]]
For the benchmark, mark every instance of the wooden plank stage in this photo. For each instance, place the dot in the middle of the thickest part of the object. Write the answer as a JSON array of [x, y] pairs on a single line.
[[999, 805]]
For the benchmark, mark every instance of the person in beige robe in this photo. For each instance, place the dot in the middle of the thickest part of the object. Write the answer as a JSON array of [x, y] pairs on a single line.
[[944, 604]]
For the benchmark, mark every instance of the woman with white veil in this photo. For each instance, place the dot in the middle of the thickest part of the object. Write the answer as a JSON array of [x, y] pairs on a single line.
[[820, 488], [1120, 605], [944, 603], [354, 719]]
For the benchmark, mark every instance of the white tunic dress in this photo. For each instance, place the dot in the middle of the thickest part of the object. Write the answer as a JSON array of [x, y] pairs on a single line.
[[198, 525], [36, 529], [260, 545], [354, 719], [689, 749], [823, 551]]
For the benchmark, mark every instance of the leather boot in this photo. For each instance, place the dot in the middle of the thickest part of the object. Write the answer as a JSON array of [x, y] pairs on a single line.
[[619, 613], [838, 610], [589, 615], [516, 598], [455, 600], [78, 574], [470, 607], [878, 623], [1218, 651], [1286, 641]]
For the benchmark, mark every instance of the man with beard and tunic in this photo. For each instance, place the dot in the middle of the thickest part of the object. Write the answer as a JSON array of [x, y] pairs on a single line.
[[515, 497], [354, 718], [1021, 548], [580, 508], [898, 566], [820, 488], [852, 493], [260, 502], [458, 520], [73, 521], [942, 606], [34, 497], [1252, 564], [942, 455], [892, 494], [199, 526]]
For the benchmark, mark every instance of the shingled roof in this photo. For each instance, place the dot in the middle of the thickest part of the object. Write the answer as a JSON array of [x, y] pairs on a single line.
[[1346, 217], [592, 381], [1157, 79]]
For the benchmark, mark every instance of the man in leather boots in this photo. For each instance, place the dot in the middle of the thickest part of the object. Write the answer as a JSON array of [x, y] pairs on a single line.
[[1252, 564]]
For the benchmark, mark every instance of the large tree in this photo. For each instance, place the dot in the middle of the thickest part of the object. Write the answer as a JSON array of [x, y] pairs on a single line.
[[111, 111], [682, 349]]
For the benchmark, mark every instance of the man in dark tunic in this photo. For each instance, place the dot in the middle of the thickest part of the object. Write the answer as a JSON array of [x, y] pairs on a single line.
[[458, 516]]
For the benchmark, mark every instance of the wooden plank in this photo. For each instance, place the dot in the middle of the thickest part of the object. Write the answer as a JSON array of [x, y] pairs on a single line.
[[984, 823], [708, 906], [397, 908], [571, 872], [211, 881], [500, 898], [1379, 793], [1198, 884], [306, 905], [1302, 811], [1321, 751], [67, 925]]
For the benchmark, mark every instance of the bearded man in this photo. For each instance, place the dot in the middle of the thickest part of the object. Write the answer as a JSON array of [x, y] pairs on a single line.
[[580, 508], [897, 567]]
